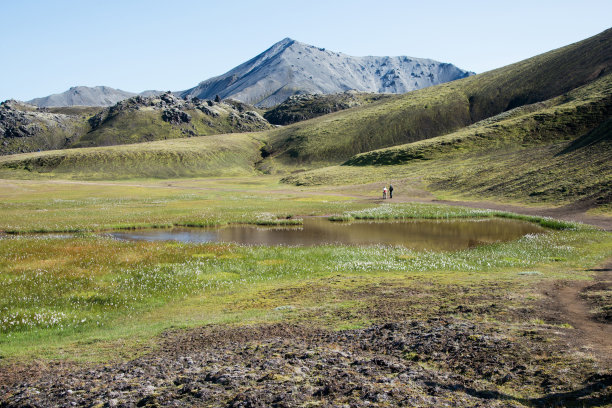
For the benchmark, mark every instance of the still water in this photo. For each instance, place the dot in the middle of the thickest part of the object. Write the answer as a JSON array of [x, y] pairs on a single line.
[[417, 234]]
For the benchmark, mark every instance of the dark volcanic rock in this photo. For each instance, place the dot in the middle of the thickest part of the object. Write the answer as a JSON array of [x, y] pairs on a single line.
[[440, 362], [27, 128], [175, 116], [307, 106]]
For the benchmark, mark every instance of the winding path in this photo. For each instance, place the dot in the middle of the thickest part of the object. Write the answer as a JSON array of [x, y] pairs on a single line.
[[594, 336]]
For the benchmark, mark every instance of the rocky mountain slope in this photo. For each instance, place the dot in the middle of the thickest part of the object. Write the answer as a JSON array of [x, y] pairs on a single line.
[[84, 96], [144, 119], [308, 106], [27, 128], [290, 67]]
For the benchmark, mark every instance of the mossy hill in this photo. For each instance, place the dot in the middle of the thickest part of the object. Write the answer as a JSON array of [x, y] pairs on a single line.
[[216, 155], [558, 151], [444, 108], [27, 128]]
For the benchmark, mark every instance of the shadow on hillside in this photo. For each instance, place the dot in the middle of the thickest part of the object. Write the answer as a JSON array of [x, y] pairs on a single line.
[[598, 135]]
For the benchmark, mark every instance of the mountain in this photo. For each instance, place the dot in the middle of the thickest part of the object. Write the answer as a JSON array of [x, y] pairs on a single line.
[[84, 96], [442, 109], [290, 67]]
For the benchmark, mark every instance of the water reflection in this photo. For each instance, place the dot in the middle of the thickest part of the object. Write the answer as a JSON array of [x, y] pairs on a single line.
[[416, 234]]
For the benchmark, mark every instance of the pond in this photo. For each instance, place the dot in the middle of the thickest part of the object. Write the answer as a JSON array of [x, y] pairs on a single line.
[[414, 234]]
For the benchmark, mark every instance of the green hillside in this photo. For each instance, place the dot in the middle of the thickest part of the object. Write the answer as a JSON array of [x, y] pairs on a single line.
[[559, 119], [442, 109], [141, 119], [556, 151], [226, 155]]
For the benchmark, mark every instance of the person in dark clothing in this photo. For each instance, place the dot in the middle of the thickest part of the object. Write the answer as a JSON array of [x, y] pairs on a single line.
[[390, 191]]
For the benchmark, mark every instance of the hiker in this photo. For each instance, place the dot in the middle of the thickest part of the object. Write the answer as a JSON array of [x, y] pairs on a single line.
[[390, 191], [384, 192]]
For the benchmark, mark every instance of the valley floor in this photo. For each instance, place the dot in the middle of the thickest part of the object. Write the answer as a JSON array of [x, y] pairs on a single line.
[[523, 323]]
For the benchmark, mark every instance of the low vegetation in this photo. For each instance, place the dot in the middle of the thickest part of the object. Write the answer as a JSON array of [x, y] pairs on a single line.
[[87, 299], [227, 155], [60, 288]]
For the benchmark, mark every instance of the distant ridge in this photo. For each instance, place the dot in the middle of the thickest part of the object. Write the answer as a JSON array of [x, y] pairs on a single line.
[[84, 96], [290, 67]]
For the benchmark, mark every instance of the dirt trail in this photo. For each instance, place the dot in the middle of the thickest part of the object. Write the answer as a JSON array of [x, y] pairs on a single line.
[[592, 336]]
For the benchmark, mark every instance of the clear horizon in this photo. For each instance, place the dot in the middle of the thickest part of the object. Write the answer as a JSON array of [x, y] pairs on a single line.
[[140, 45]]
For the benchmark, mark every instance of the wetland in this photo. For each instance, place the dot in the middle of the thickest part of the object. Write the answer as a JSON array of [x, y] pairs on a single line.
[[434, 235]]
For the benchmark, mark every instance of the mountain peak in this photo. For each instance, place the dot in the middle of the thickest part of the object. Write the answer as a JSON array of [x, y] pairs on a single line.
[[286, 40], [290, 67]]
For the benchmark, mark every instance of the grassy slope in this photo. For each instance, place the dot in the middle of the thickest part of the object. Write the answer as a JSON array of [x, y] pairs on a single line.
[[563, 118], [444, 108], [557, 151], [234, 154]]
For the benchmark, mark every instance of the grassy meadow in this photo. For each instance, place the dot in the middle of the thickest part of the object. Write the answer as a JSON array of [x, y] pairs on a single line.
[[89, 297]]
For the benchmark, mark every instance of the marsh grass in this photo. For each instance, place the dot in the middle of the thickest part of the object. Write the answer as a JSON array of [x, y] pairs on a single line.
[[36, 207], [61, 290], [433, 211], [90, 297]]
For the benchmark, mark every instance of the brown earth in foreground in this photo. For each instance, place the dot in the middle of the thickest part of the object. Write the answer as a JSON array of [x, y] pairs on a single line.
[[446, 359]]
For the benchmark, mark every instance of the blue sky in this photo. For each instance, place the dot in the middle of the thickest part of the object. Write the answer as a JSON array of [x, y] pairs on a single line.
[[48, 46]]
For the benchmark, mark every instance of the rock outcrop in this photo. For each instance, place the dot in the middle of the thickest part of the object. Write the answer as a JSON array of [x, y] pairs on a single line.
[[307, 106]]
